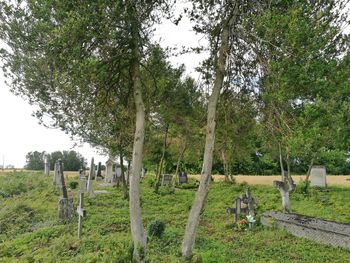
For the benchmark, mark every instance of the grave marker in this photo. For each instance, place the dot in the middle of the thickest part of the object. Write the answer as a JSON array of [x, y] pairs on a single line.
[[109, 172], [57, 177], [318, 176], [243, 204], [89, 182], [183, 178], [65, 205], [46, 165], [167, 179], [99, 171], [80, 210]]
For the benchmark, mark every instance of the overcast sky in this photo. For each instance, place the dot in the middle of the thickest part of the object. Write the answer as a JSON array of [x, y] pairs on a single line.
[[20, 133]]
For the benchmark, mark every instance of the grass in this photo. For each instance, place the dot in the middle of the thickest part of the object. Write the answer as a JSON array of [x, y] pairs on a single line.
[[31, 232]]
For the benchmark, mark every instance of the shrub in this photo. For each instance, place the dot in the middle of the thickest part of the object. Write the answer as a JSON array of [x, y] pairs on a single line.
[[156, 228], [73, 184]]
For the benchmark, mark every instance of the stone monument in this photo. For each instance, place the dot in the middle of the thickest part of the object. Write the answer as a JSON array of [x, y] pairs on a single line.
[[318, 176]]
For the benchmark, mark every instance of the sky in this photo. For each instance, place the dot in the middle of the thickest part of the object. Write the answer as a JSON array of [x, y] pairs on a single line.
[[21, 133]]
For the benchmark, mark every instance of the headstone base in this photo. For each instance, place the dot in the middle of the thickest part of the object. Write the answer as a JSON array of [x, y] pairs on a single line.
[[65, 209]]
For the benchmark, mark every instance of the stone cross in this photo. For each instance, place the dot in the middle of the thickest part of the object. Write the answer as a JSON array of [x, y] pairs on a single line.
[[243, 204], [80, 210]]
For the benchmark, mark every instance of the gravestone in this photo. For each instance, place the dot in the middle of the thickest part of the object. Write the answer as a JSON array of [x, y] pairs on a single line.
[[57, 177], [244, 204], [118, 176], [80, 210], [183, 177], [109, 172], [46, 165], [318, 176], [92, 169], [167, 179], [65, 204], [99, 171], [316, 229], [83, 181], [89, 182]]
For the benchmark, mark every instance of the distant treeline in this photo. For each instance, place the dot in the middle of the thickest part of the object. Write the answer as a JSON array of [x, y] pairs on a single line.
[[335, 161], [72, 160]]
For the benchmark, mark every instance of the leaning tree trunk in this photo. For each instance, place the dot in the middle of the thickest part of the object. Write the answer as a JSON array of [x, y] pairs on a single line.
[[160, 168], [286, 185], [137, 231], [202, 192]]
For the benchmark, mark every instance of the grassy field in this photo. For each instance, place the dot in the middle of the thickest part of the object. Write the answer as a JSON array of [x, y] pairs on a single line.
[[30, 231], [332, 180]]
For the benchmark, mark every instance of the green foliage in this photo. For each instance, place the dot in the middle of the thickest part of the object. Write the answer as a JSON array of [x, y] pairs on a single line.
[[35, 161], [156, 228], [73, 184]]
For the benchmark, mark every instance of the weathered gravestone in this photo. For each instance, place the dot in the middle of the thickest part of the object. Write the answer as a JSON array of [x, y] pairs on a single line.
[[167, 179], [183, 177], [110, 178], [316, 229], [118, 176], [46, 165], [65, 205], [89, 182], [244, 204], [318, 176], [57, 177], [99, 171]]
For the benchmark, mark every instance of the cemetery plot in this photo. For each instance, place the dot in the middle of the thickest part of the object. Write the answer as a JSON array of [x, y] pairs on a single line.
[[319, 230]]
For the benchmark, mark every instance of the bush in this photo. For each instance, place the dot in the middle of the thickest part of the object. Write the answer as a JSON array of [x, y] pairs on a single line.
[[73, 184], [156, 228]]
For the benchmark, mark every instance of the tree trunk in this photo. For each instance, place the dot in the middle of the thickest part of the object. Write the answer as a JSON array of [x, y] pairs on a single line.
[[307, 183], [286, 185], [137, 230], [160, 169], [125, 186], [224, 162], [179, 161], [202, 192], [281, 161], [128, 173]]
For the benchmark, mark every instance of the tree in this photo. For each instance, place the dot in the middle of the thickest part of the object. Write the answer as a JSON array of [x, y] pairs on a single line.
[[298, 46], [220, 22], [35, 161], [76, 61]]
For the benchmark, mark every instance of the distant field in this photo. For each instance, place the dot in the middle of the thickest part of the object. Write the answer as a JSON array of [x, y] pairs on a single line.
[[338, 180]]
